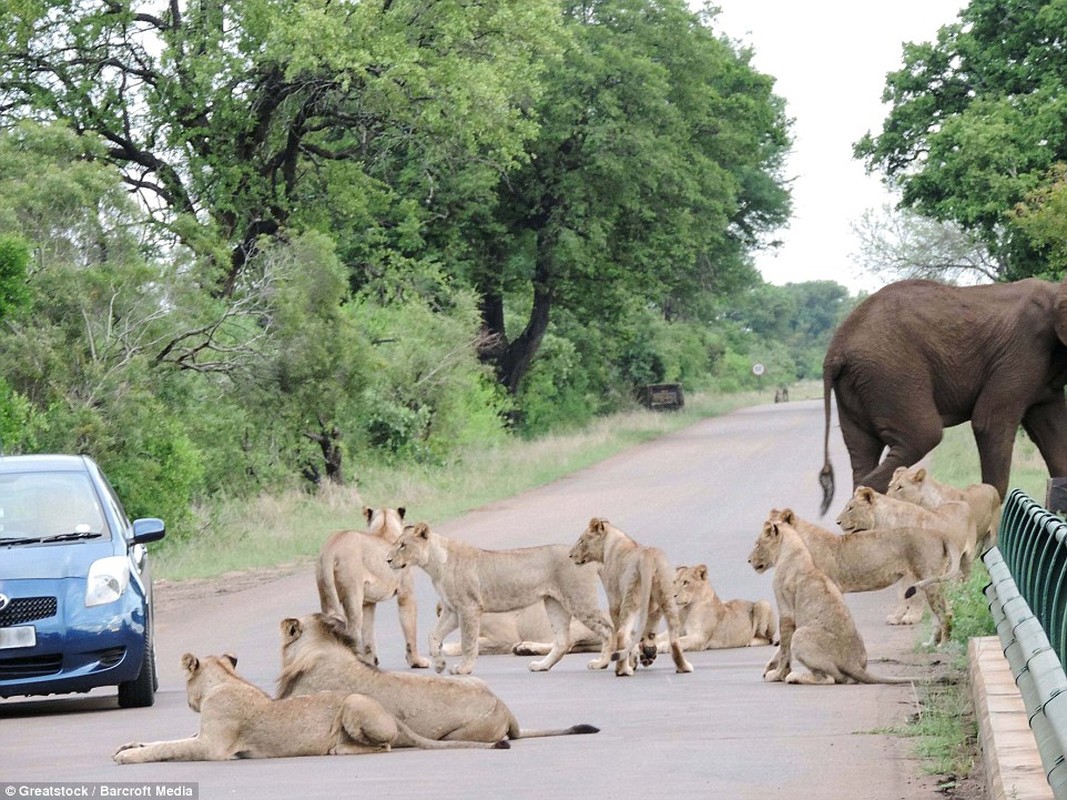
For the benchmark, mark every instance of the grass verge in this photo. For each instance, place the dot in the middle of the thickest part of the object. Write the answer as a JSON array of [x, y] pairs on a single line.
[[273, 530], [946, 728]]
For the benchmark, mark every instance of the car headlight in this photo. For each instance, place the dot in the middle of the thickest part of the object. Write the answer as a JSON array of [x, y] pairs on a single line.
[[108, 579]]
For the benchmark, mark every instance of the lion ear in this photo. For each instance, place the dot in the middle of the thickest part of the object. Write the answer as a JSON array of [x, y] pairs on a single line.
[[422, 530], [401, 511], [865, 493], [599, 524], [368, 512], [788, 516], [702, 571], [291, 629], [920, 475], [190, 663]]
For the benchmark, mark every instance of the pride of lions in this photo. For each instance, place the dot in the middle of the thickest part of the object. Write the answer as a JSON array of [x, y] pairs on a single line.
[[332, 698]]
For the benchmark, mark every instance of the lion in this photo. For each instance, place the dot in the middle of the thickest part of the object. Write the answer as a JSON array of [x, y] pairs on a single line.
[[868, 509], [815, 627], [353, 577], [239, 720], [317, 656], [919, 487], [870, 560], [708, 623], [525, 632], [471, 581], [637, 580]]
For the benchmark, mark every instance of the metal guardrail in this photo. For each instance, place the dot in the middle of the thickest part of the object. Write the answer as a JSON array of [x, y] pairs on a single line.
[[1027, 596]]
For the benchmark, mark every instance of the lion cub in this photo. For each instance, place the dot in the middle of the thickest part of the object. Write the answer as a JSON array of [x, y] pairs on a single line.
[[637, 580], [708, 623], [815, 626], [239, 720]]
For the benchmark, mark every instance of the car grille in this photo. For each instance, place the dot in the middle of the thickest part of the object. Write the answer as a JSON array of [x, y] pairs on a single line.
[[27, 609], [13, 669]]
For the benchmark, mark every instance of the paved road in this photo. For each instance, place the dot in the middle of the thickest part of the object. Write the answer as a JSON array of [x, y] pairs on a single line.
[[720, 732]]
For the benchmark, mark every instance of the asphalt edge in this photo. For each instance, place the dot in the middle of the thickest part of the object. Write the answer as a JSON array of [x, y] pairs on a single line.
[[1010, 756]]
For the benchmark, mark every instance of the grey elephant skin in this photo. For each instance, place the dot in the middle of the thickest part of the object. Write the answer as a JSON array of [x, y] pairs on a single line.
[[919, 356]]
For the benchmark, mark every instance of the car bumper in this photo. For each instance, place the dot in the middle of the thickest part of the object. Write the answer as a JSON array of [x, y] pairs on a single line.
[[76, 648]]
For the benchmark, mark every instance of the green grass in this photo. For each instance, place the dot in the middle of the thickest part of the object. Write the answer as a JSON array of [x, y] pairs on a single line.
[[275, 530]]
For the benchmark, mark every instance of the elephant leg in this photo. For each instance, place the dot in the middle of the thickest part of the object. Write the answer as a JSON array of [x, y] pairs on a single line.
[[1046, 424], [907, 446]]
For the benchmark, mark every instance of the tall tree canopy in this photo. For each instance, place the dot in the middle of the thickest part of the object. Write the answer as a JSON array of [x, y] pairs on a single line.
[[657, 167], [223, 115], [976, 122]]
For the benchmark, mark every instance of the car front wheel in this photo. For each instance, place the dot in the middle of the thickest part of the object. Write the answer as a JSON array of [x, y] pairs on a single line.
[[141, 691]]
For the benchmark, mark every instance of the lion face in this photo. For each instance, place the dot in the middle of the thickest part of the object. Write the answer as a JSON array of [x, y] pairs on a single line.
[[858, 514], [768, 545], [687, 581], [412, 548], [590, 545], [907, 485]]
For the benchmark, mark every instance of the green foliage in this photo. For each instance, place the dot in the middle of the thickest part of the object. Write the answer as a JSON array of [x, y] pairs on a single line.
[[14, 268], [976, 122]]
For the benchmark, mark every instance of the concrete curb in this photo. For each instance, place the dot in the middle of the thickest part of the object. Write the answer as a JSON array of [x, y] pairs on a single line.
[[1009, 752]]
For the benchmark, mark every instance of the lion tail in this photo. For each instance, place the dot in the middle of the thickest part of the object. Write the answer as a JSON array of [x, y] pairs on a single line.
[[533, 733], [952, 558], [413, 739]]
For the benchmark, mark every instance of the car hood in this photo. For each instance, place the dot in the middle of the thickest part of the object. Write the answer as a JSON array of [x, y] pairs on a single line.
[[52, 561]]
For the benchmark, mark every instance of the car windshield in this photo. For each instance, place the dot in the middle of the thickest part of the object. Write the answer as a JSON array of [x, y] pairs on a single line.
[[43, 507]]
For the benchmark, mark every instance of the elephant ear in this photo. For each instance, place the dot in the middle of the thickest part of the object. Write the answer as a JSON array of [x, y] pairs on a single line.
[[1059, 313]]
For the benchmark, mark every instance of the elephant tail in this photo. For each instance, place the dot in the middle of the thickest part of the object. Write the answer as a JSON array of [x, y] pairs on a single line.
[[826, 474]]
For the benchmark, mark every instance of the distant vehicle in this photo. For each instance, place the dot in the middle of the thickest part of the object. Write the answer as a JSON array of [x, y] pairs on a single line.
[[75, 588]]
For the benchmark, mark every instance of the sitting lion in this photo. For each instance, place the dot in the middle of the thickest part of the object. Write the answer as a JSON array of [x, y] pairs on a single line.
[[708, 623], [815, 627], [526, 632], [353, 577], [239, 720], [917, 486], [471, 581], [874, 559], [868, 509], [317, 656], [637, 580]]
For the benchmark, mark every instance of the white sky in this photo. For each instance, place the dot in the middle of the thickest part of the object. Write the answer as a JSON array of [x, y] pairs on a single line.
[[829, 59]]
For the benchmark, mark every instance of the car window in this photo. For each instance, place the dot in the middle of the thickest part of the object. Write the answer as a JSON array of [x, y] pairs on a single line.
[[44, 504]]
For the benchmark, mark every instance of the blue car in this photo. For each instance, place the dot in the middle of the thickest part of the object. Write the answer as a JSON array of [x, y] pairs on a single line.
[[75, 588]]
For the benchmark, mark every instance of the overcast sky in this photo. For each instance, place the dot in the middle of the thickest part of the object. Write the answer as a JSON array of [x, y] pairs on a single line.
[[829, 59]]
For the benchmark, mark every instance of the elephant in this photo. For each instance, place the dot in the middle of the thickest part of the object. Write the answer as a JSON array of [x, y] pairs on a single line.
[[918, 356]]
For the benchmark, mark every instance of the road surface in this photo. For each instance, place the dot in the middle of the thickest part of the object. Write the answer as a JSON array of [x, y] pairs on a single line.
[[701, 494]]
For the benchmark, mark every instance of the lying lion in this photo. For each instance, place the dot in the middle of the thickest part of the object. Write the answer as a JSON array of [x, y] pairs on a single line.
[[353, 577], [526, 632], [868, 509], [239, 720], [317, 656], [471, 581], [917, 486], [870, 560], [815, 627], [637, 580], [708, 623]]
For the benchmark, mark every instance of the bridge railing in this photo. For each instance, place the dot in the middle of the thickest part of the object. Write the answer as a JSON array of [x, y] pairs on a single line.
[[1027, 596]]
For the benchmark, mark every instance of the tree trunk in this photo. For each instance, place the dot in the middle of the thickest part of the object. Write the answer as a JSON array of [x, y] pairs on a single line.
[[519, 354]]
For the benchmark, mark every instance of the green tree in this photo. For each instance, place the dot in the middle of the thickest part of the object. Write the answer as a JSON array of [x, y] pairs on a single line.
[[655, 170], [221, 115], [976, 122]]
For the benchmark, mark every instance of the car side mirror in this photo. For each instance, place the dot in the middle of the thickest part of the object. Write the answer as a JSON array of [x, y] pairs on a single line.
[[149, 529]]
